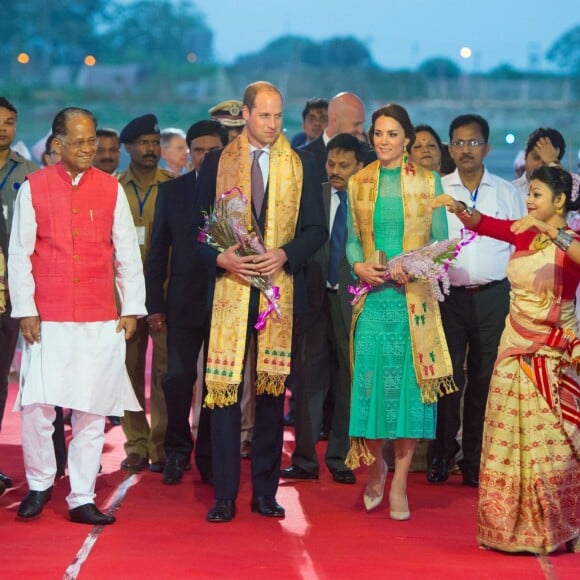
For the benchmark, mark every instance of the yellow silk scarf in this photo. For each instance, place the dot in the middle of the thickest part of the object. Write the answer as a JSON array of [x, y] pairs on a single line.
[[232, 294], [433, 368]]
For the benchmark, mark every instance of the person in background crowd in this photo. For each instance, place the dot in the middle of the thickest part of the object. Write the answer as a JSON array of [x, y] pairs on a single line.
[[314, 121], [174, 151], [327, 328], [108, 153], [229, 115], [203, 137], [13, 171], [50, 155], [474, 312], [140, 181], [545, 146], [425, 149]]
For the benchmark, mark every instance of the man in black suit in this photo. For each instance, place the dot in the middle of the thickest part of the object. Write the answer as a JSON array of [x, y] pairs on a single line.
[[203, 137], [346, 114], [183, 309], [292, 197], [326, 326]]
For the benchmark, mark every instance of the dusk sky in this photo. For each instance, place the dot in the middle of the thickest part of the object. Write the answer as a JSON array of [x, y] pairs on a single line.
[[400, 34]]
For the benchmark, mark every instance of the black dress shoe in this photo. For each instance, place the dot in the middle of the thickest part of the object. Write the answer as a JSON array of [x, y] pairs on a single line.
[[343, 476], [5, 480], [173, 470], [295, 472], [223, 510], [156, 467], [470, 477], [266, 505], [438, 471], [33, 503], [113, 420], [89, 514]]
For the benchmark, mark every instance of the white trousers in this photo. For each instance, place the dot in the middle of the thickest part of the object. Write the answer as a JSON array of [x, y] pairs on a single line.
[[84, 451]]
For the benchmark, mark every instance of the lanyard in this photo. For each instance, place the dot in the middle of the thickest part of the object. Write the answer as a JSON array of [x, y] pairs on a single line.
[[473, 196], [14, 164], [140, 201]]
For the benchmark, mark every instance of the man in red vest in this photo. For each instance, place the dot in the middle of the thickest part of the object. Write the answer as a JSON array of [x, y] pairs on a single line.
[[72, 241]]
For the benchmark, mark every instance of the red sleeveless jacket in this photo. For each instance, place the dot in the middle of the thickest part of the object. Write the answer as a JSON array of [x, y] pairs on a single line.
[[72, 263]]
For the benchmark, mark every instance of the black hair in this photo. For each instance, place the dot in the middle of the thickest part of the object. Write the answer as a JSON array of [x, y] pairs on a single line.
[[470, 119], [314, 103], [553, 135], [107, 133], [348, 142], [6, 104], [559, 181], [204, 128], [426, 129]]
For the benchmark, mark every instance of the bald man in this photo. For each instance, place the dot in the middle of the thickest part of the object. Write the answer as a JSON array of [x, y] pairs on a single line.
[[346, 114]]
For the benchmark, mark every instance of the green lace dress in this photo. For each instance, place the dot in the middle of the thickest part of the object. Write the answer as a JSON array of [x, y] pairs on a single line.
[[386, 401]]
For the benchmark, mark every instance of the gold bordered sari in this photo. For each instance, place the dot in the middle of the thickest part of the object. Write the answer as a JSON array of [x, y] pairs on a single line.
[[530, 478]]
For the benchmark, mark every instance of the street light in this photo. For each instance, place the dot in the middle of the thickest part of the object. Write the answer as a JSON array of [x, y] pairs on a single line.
[[23, 58]]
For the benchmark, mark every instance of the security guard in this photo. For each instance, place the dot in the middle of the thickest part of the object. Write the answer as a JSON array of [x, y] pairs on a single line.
[[229, 115], [141, 138]]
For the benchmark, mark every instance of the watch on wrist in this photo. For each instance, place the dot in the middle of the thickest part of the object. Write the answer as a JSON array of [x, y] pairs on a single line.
[[466, 210]]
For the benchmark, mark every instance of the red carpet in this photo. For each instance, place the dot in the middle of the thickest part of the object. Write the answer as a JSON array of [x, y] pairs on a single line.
[[161, 531]]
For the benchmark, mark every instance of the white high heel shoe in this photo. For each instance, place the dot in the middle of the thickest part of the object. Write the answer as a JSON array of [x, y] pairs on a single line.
[[373, 496], [402, 515]]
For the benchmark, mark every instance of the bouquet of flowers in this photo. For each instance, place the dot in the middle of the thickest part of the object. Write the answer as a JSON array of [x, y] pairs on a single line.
[[226, 226], [429, 264]]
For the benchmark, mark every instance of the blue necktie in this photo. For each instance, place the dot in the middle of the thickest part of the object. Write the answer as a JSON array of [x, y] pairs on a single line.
[[337, 238]]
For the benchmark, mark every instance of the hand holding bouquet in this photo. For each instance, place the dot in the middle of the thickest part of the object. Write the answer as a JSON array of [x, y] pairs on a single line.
[[226, 227], [429, 264]]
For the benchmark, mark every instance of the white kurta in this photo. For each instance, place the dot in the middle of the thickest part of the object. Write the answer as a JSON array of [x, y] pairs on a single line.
[[76, 365]]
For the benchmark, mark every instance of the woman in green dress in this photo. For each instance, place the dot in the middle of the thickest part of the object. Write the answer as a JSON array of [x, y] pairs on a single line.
[[397, 327]]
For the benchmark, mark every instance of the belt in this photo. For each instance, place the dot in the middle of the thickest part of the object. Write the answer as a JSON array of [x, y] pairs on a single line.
[[331, 290], [477, 287]]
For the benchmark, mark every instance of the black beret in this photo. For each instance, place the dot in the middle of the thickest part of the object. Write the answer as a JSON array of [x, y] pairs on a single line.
[[201, 129], [144, 125]]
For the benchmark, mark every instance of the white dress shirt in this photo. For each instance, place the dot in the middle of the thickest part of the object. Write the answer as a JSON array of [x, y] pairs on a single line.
[[484, 260], [522, 184], [76, 365]]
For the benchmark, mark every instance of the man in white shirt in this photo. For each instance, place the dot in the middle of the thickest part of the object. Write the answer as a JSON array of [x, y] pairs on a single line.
[[473, 314], [72, 239]]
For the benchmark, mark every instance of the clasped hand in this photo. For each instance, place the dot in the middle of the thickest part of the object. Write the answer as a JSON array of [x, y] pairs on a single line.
[[266, 264]]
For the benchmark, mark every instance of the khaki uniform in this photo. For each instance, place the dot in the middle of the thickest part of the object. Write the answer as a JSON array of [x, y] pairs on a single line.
[[145, 440]]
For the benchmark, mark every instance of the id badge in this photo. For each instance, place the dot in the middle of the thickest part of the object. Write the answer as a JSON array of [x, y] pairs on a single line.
[[140, 235]]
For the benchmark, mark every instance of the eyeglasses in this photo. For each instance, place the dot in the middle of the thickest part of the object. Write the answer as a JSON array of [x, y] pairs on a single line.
[[80, 143], [470, 143]]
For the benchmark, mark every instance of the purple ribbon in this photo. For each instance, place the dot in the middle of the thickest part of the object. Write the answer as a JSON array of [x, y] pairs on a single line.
[[272, 295]]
